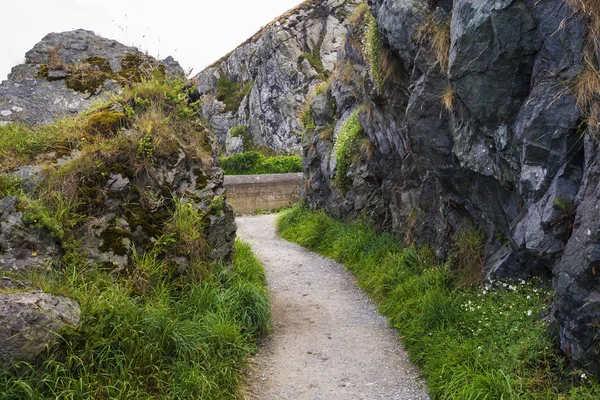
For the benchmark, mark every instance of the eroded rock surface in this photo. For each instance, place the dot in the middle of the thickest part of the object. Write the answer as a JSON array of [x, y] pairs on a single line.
[[279, 66]]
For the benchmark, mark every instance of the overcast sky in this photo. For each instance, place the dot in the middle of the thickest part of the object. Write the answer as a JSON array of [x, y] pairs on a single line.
[[194, 32]]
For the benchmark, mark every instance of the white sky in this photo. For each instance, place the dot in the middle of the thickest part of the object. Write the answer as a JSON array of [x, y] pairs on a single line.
[[195, 32]]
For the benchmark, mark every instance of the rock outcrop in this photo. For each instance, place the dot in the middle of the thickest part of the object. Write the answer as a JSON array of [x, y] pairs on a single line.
[[263, 84], [133, 177], [66, 72]]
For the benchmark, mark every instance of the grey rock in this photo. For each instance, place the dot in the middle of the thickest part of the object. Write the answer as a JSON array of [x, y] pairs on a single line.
[[27, 96], [31, 321], [507, 156], [282, 79]]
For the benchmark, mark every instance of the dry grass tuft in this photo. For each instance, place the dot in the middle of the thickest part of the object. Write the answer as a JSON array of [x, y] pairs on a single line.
[[54, 60], [437, 33], [586, 87], [448, 97]]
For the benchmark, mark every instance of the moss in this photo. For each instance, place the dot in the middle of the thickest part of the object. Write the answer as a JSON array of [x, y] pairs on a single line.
[[130, 68], [231, 93], [314, 59], [86, 78], [105, 123], [100, 63], [201, 178], [43, 72], [216, 206], [116, 240], [243, 132]]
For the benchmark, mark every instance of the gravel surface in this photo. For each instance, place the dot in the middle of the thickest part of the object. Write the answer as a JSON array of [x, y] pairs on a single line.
[[328, 341]]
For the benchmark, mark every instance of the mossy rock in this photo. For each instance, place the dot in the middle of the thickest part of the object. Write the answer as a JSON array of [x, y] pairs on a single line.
[[116, 240], [105, 123], [43, 72], [86, 78], [100, 63]]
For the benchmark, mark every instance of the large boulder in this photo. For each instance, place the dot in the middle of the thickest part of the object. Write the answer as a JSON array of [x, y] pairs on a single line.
[[30, 321]]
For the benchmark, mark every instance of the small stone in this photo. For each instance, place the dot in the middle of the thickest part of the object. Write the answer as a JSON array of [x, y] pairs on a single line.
[[6, 113]]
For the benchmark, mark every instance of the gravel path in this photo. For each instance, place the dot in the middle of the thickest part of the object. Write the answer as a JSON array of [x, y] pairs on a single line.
[[328, 341]]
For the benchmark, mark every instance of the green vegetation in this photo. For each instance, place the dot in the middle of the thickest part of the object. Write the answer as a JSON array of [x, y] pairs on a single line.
[[243, 132], [168, 339], [470, 342], [232, 93], [314, 59], [253, 162], [155, 328], [346, 147], [381, 61], [89, 75]]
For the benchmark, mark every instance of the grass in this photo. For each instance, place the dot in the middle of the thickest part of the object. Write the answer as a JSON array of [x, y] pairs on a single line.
[[447, 97], [175, 340], [254, 163], [437, 33], [158, 327], [346, 147], [470, 342], [381, 60]]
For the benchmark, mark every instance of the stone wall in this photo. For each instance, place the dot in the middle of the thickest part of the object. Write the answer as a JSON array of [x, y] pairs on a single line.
[[251, 193]]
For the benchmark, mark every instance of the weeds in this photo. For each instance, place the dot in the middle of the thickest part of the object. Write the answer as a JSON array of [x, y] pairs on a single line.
[[470, 342], [448, 97]]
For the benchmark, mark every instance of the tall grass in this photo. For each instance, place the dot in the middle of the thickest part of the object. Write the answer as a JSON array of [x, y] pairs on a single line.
[[181, 340], [483, 342]]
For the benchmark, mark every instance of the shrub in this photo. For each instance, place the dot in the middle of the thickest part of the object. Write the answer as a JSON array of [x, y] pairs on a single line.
[[253, 162]]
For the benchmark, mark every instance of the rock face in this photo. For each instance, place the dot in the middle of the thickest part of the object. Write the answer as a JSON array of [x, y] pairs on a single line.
[[31, 321], [483, 132], [47, 86], [272, 74]]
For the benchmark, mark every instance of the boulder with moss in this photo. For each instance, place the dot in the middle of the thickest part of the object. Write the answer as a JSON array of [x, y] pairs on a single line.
[[65, 72]]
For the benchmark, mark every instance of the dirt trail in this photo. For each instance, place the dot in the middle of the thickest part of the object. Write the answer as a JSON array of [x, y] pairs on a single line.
[[328, 341]]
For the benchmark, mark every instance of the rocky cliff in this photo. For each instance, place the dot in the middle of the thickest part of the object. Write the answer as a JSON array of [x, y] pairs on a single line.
[[253, 96], [433, 117]]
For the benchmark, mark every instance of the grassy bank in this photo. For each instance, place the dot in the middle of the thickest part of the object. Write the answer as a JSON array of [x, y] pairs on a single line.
[[254, 163], [180, 340], [484, 342]]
